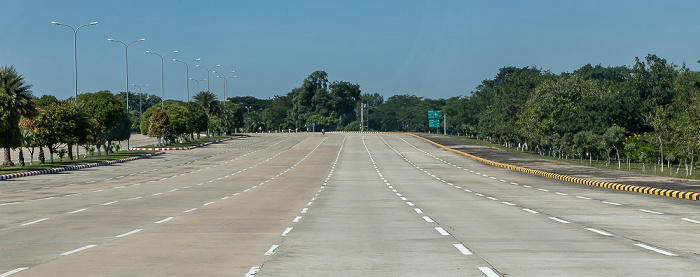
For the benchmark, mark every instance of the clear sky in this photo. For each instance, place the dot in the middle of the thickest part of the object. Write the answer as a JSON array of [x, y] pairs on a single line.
[[433, 49]]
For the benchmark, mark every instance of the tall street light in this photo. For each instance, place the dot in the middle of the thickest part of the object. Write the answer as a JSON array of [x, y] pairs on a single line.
[[208, 73], [162, 82], [75, 51], [197, 82], [225, 82], [140, 102], [126, 55], [188, 74]]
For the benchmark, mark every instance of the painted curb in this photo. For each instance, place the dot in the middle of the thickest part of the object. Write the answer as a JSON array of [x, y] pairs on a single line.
[[632, 188], [75, 167], [185, 148]]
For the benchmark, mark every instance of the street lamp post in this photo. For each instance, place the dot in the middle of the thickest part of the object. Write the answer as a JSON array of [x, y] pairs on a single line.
[[197, 82], [140, 102], [187, 65], [207, 73], [126, 55], [75, 61], [75, 51], [225, 82], [162, 82]]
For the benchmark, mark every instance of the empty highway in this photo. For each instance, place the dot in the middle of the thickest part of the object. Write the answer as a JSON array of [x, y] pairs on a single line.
[[334, 205]]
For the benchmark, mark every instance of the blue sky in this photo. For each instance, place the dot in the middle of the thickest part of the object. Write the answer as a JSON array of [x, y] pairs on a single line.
[[433, 49]]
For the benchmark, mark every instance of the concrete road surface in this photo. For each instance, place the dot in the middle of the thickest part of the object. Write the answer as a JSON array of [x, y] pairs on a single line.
[[334, 205]]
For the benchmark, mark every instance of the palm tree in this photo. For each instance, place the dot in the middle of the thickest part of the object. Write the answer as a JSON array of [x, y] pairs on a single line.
[[209, 102], [21, 104]]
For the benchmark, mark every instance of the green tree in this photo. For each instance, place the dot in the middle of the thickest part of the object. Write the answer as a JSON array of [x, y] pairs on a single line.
[[198, 119], [110, 115], [180, 119], [160, 126], [18, 102], [210, 104]]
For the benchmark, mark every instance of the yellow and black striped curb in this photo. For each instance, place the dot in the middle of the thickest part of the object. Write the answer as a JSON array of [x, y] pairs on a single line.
[[639, 189]]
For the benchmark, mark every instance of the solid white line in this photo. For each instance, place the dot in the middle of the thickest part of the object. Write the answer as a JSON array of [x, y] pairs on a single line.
[[13, 271], [558, 220], [647, 247], [78, 250], [296, 219], [651, 212], [488, 271], [428, 219], [187, 211], [462, 249], [611, 203], [35, 221], [77, 211], [599, 232], [11, 203], [129, 233], [164, 220], [690, 220], [271, 250], [531, 211], [286, 231], [442, 231]]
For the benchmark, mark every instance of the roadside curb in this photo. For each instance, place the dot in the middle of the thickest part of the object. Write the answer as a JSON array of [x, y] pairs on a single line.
[[75, 167], [639, 189], [185, 148]]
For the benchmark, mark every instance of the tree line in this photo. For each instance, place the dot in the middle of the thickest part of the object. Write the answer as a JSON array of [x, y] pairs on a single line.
[[96, 120], [648, 113]]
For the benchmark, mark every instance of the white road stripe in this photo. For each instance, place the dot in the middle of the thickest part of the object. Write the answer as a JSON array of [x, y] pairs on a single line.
[[286, 231], [531, 211], [561, 193], [559, 220], [13, 271], [208, 203], [651, 212], [164, 220], [442, 231], [296, 219], [690, 220], [35, 221], [600, 232], [271, 250], [508, 203], [304, 210], [647, 247], [611, 203], [428, 219], [129, 233], [109, 203], [583, 197], [462, 249], [488, 271], [11, 203], [77, 211], [187, 211], [78, 250], [492, 198], [419, 211]]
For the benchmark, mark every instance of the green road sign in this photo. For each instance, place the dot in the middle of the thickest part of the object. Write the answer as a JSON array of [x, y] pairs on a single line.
[[434, 123], [435, 114]]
